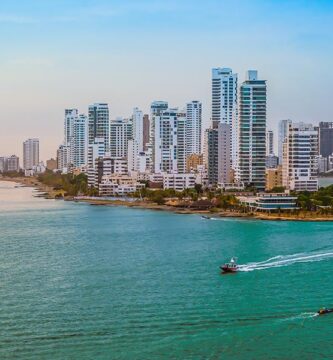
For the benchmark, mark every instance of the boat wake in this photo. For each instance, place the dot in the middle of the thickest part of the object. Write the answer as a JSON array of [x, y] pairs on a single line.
[[302, 316], [286, 260]]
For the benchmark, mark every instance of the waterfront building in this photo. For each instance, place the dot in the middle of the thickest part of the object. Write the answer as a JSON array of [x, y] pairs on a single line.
[[300, 156], [9, 163], [13, 163], [95, 150], [70, 115], [170, 142], [51, 164], [146, 130], [219, 156], [156, 108], [121, 130], [106, 166], [269, 202], [225, 105], [2, 164], [64, 158], [274, 178], [322, 164], [283, 127], [30, 153], [79, 141], [193, 127], [325, 139], [211, 149], [99, 123], [269, 143], [178, 182], [137, 120], [252, 132], [118, 185], [224, 154], [325, 145]]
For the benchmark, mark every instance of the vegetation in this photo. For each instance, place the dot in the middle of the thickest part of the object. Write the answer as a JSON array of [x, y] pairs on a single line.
[[72, 185], [321, 199], [13, 174]]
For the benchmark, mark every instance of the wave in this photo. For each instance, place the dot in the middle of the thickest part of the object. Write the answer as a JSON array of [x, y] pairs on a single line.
[[286, 260], [302, 316]]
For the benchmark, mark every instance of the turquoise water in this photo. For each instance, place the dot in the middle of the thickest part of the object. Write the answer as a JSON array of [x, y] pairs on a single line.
[[89, 282]]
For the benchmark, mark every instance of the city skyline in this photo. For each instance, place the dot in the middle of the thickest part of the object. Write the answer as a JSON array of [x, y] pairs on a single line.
[[53, 61]]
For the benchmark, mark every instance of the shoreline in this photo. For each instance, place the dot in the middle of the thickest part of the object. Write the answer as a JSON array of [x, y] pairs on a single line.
[[49, 193], [45, 191]]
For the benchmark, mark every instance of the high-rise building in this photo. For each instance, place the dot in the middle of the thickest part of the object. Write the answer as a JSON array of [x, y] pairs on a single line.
[[30, 153], [269, 143], [121, 130], [252, 132], [300, 154], [79, 141], [283, 127], [218, 154], [64, 157], [70, 115], [225, 105], [156, 108], [193, 127], [9, 163], [169, 142], [146, 126], [2, 164], [13, 163], [99, 123], [325, 139], [95, 150], [137, 120]]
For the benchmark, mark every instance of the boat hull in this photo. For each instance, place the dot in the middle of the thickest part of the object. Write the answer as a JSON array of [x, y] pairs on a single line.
[[226, 269]]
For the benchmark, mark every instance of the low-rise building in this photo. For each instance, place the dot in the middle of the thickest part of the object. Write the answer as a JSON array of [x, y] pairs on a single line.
[[178, 182], [118, 185], [51, 164], [193, 161], [273, 178], [269, 202]]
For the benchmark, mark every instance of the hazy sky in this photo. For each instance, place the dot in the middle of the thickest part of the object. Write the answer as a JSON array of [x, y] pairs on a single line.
[[70, 53]]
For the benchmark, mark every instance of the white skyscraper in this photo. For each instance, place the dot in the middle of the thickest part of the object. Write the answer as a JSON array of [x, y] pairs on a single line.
[[121, 130], [70, 115], [300, 154], [225, 105], [156, 108], [30, 153], [137, 120], [79, 141], [99, 123], [170, 142], [252, 132], [95, 150], [193, 127], [64, 157]]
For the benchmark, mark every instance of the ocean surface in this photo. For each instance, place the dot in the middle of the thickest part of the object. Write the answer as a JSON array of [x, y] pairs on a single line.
[[93, 282]]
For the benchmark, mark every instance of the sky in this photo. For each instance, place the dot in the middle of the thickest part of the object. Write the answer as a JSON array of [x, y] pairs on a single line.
[[71, 53]]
